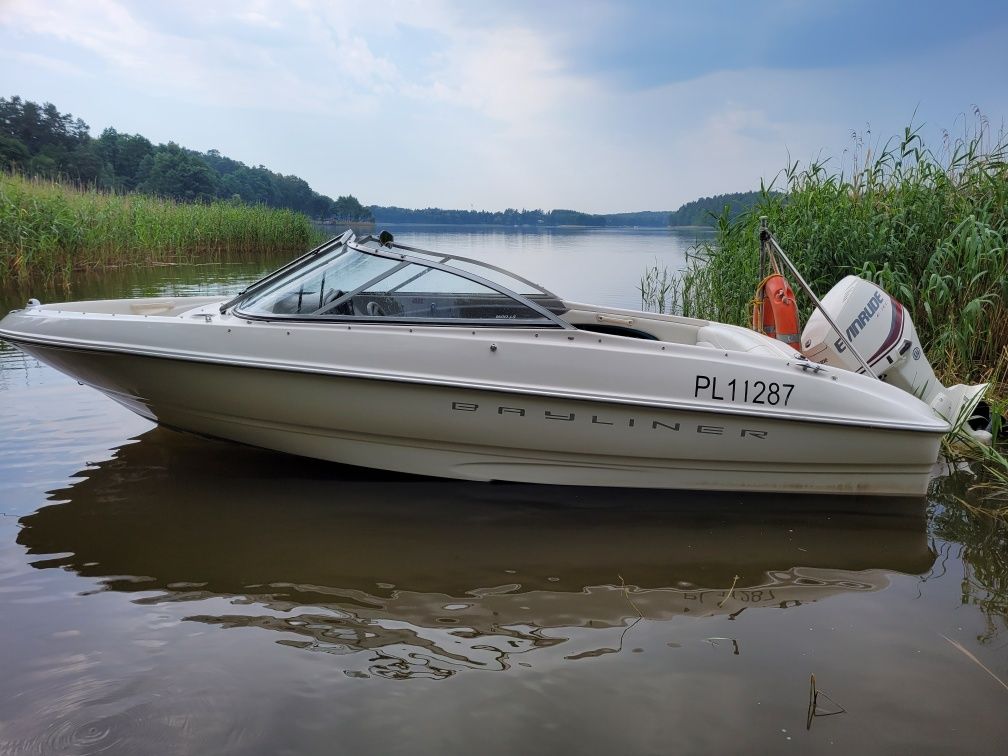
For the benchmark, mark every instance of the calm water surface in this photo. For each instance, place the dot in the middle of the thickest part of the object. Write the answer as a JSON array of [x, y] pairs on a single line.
[[161, 593]]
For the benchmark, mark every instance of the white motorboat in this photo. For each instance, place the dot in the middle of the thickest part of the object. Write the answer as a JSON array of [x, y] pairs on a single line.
[[370, 353]]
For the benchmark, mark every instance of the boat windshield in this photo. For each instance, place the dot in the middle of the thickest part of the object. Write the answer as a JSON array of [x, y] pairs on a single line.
[[372, 281]]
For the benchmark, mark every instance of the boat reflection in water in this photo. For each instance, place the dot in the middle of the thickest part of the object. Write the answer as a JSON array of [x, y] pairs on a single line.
[[421, 577]]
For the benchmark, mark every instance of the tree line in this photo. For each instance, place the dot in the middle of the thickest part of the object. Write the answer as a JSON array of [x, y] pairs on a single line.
[[39, 140], [513, 217], [706, 210], [701, 212], [508, 217]]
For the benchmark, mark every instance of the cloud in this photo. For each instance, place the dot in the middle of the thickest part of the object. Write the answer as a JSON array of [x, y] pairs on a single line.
[[219, 63], [595, 105], [47, 62], [508, 75]]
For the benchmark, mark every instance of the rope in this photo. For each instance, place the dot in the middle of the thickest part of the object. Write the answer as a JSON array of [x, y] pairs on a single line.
[[756, 303]]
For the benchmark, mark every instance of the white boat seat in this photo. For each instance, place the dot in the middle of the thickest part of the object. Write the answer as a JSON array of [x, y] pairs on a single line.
[[735, 339]]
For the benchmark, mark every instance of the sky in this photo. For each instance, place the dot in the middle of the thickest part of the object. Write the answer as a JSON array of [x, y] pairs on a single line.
[[593, 105]]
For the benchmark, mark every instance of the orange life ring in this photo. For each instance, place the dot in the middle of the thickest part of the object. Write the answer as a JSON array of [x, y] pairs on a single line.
[[775, 311]]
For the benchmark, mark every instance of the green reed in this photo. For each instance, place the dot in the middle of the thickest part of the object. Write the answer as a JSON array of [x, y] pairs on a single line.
[[50, 229], [929, 228]]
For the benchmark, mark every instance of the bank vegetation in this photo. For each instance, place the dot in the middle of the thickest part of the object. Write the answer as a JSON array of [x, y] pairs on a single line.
[[49, 229]]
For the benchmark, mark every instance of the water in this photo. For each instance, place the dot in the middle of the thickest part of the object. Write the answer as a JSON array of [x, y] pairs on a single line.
[[161, 593], [603, 266]]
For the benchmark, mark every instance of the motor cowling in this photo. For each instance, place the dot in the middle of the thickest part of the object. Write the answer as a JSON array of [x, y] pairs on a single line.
[[881, 330]]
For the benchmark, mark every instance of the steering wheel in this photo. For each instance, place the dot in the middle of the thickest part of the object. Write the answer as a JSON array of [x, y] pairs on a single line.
[[374, 310], [346, 308]]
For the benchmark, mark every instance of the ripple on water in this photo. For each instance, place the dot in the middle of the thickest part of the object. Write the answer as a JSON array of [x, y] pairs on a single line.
[[138, 729], [74, 712]]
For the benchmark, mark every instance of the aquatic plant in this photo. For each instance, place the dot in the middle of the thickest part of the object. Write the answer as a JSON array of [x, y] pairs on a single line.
[[49, 229], [931, 228]]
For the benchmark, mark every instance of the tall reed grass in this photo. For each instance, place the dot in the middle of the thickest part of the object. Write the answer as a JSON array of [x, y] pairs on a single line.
[[930, 227], [49, 229]]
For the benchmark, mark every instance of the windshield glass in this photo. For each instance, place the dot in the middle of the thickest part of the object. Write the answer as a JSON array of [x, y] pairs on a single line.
[[309, 290], [349, 283], [485, 270], [517, 285]]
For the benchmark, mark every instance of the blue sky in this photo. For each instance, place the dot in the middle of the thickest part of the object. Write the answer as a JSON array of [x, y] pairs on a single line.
[[593, 105]]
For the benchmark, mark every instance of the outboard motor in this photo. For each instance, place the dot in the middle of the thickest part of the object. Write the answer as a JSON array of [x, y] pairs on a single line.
[[881, 330]]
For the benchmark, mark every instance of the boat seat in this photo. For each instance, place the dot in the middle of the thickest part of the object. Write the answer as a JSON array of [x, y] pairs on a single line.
[[643, 325], [735, 339]]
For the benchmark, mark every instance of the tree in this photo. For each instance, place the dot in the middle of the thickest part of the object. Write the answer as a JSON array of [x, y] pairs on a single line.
[[253, 185], [13, 154], [293, 192], [124, 153], [704, 211], [85, 164], [173, 172], [43, 165], [348, 208]]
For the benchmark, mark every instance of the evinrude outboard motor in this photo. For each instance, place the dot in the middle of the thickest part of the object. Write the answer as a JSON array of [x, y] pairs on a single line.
[[880, 329]]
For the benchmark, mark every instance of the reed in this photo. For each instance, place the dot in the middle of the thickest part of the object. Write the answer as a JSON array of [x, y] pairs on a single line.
[[50, 229], [930, 227]]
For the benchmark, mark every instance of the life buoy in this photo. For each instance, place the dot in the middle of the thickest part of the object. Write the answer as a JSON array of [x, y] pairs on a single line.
[[775, 311]]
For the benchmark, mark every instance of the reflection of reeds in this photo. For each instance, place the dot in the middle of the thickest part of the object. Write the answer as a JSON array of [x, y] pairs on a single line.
[[48, 229], [978, 529], [989, 466]]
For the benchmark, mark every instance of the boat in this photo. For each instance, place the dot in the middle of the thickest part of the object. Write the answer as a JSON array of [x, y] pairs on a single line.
[[371, 353]]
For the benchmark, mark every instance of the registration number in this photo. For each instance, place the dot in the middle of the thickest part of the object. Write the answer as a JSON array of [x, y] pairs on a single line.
[[748, 391]]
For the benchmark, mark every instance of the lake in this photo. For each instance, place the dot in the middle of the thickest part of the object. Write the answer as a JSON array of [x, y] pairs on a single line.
[[162, 593]]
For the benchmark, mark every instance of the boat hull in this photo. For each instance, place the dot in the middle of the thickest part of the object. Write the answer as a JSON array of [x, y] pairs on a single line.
[[475, 434]]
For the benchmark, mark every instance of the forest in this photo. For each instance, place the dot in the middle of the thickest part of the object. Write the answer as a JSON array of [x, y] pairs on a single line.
[[40, 141], [706, 210], [701, 212], [509, 217], [512, 217]]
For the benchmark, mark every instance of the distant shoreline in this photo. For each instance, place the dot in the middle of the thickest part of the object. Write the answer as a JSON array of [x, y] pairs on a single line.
[[401, 224]]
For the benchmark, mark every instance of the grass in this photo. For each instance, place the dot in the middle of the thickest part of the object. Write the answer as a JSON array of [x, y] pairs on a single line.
[[48, 230], [930, 226]]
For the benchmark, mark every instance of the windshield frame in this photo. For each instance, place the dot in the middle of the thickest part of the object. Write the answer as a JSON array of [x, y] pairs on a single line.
[[290, 267], [349, 241]]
